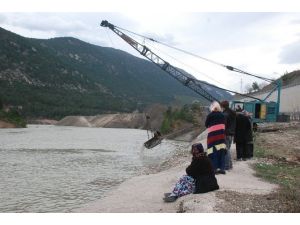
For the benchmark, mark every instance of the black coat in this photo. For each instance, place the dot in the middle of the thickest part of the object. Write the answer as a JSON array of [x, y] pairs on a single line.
[[214, 118], [243, 130], [230, 121], [202, 171]]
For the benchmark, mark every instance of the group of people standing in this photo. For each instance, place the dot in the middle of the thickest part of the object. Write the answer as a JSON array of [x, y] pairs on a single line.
[[224, 126]]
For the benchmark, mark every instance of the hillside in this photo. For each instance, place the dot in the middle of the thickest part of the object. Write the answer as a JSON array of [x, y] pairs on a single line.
[[65, 76]]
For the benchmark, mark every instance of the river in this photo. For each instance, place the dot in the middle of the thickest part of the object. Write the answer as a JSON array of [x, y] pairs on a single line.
[[57, 169]]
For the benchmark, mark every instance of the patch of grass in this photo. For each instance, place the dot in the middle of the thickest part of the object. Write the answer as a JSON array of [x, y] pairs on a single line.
[[280, 173], [276, 170], [259, 152], [13, 117]]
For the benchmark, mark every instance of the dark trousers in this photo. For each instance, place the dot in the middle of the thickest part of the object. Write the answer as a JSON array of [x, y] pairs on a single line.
[[244, 150], [250, 150], [218, 159]]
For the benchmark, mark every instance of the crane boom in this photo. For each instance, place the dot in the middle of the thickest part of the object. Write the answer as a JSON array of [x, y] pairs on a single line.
[[158, 61]]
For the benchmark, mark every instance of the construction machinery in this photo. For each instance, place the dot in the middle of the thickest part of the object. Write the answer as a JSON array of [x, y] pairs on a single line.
[[260, 110]]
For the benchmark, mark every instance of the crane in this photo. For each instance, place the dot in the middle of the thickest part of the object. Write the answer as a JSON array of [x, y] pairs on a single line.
[[189, 82], [261, 110]]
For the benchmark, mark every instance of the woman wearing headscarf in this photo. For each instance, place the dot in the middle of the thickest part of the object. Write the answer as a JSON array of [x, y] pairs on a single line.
[[243, 136], [199, 178], [216, 147]]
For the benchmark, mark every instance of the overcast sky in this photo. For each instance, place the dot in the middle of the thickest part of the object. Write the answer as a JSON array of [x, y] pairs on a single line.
[[266, 44]]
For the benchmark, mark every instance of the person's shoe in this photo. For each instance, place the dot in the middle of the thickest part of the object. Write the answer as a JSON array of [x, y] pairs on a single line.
[[171, 198], [222, 172], [244, 159], [167, 194], [240, 159]]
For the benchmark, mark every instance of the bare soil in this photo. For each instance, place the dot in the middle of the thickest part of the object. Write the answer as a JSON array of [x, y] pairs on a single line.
[[283, 144], [4, 124], [278, 162], [235, 202]]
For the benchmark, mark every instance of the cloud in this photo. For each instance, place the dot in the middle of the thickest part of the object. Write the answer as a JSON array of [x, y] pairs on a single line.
[[295, 21], [165, 38], [51, 23], [221, 31], [47, 22], [2, 18], [290, 54]]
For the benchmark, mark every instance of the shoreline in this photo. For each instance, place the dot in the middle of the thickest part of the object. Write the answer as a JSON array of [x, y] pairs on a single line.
[[144, 193], [4, 124]]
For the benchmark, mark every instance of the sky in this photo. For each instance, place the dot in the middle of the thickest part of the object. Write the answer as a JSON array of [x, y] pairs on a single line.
[[262, 43]]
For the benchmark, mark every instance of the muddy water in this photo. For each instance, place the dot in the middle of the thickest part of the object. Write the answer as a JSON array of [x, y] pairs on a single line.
[[57, 169]]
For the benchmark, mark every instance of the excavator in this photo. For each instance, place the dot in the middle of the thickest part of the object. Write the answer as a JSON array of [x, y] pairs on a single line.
[[260, 109]]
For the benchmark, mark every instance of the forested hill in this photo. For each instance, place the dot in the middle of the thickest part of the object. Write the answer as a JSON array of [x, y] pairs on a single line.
[[65, 76]]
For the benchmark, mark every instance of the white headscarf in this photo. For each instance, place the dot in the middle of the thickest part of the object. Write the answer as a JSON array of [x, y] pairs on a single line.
[[215, 106]]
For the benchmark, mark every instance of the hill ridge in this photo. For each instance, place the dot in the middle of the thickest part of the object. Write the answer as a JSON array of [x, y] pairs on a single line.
[[64, 76]]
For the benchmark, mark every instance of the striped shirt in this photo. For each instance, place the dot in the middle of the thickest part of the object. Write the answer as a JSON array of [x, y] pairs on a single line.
[[215, 124]]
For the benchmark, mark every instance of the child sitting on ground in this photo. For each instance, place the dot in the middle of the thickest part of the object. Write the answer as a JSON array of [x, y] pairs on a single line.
[[199, 178]]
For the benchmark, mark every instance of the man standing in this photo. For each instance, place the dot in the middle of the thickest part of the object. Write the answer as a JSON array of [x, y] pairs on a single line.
[[230, 124]]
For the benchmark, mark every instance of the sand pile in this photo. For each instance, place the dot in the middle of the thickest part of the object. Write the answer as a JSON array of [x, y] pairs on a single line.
[[124, 120]]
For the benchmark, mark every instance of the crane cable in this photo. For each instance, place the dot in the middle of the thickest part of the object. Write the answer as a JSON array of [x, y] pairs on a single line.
[[231, 68], [151, 39], [187, 65], [112, 44], [194, 79]]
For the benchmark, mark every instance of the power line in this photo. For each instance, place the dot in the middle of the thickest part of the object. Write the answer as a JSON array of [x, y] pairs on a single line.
[[189, 79], [187, 65], [231, 68], [151, 39], [112, 44]]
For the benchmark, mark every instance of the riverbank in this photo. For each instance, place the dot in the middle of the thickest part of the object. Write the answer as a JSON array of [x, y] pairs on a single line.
[[4, 124], [144, 193], [11, 119]]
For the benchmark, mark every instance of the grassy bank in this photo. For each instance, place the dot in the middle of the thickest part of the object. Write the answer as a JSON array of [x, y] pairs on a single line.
[[177, 118], [278, 162], [12, 117]]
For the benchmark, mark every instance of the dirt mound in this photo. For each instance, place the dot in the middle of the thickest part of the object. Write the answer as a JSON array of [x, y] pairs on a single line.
[[42, 121], [135, 120], [4, 124], [126, 120], [78, 121]]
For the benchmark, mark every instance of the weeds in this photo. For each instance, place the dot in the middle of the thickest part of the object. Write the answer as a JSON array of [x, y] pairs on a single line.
[[277, 170]]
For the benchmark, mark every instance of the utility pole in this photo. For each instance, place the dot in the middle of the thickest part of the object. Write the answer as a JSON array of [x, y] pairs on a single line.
[[241, 85]]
